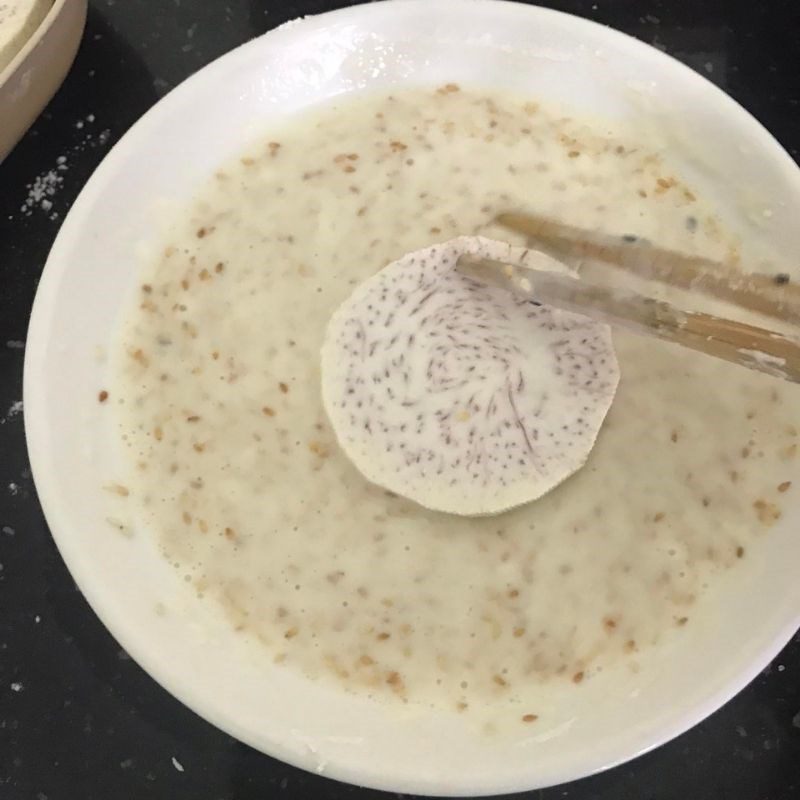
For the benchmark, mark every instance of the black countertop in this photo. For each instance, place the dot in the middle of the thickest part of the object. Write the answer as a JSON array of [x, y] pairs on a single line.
[[78, 718]]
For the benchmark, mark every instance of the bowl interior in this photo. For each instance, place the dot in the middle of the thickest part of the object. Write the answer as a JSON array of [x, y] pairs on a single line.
[[185, 644]]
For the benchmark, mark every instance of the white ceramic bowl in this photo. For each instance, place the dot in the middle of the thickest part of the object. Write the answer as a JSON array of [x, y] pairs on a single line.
[[181, 642]]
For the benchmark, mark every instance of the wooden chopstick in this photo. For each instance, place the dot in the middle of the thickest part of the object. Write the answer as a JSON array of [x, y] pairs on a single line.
[[772, 295], [746, 345]]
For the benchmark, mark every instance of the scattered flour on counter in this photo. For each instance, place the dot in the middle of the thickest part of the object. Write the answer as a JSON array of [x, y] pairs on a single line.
[[177, 764], [42, 189], [14, 410], [13, 488], [17, 686]]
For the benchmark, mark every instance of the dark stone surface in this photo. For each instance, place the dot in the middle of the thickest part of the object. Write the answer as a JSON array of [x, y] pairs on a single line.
[[78, 718]]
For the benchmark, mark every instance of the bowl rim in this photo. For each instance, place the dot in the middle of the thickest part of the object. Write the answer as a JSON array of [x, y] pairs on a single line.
[[73, 228], [41, 30]]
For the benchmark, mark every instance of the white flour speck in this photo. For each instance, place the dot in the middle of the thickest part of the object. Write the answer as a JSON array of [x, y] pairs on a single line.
[[8, 530], [37, 619], [16, 408], [13, 488], [17, 687], [177, 764], [15, 344]]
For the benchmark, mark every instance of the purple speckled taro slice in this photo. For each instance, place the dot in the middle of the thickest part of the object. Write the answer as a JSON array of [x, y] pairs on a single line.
[[460, 396]]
